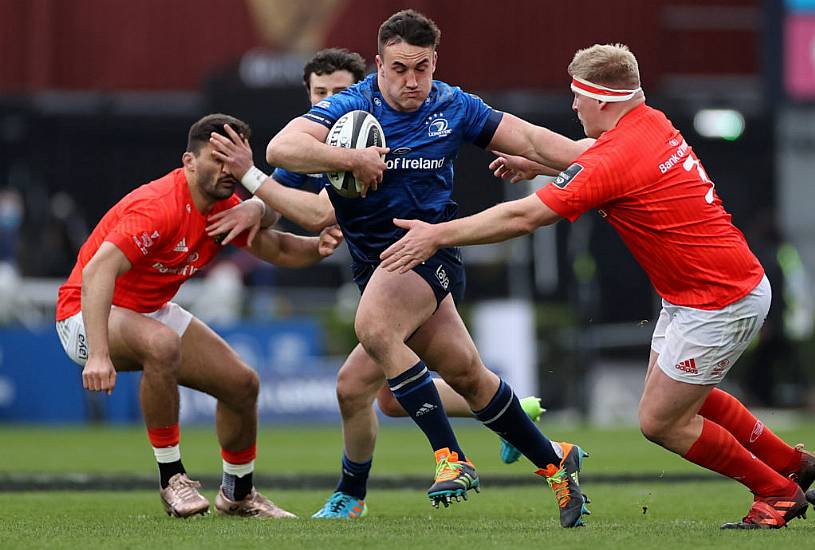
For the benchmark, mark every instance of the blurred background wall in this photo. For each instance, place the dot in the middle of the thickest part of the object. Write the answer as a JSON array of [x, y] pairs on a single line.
[[96, 97]]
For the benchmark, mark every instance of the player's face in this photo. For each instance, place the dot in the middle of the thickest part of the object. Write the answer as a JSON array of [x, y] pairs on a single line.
[[405, 75], [590, 113], [321, 86], [210, 174]]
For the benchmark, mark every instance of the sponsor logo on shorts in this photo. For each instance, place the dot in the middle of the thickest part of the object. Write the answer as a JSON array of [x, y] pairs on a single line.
[[720, 367], [758, 429], [688, 366], [81, 347], [441, 275], [564, 178]]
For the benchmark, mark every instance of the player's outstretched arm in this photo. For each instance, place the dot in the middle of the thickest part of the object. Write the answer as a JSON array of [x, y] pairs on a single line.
[[287, 250], [300, 147], [98, 282], [517, 169], [309, 211], [499, 223], [515, 136]]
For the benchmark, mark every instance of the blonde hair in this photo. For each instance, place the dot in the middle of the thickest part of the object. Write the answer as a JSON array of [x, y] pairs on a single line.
[[610, 65]]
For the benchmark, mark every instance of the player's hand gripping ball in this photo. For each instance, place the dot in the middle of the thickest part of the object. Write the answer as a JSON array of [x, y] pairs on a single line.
[[354, 130]]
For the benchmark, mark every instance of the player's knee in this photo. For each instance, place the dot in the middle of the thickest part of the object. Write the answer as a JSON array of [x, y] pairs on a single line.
[[164, 351], [388, 404], [374, 337], [654, 429], [351, 394], [247, 387]]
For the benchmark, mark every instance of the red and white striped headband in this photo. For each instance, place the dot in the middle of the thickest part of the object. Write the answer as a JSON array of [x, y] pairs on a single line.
[[596, 91]]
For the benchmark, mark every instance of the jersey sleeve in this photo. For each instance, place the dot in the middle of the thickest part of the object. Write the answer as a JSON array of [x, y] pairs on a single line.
[[329, 110], [589, 182], [290, 179], [480, 120], [141, 231]]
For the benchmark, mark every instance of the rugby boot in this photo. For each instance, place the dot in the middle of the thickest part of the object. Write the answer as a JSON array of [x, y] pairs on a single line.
[[254, 505], [772, 512], [564, 481], [532, 407], [182, 499], [453, 479], [342, 506], [805, 474]]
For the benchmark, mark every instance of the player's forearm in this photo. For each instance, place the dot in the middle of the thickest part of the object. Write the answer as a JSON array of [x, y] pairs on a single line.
[[98, 285], [301, 152], [286, 250], [497, 224], [309, 211], [268, 216]]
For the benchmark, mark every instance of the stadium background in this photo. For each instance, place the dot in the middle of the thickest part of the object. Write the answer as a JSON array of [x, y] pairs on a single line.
[[96, 97]]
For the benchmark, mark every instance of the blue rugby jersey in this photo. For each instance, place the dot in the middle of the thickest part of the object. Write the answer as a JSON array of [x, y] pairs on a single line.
[[418, 183]]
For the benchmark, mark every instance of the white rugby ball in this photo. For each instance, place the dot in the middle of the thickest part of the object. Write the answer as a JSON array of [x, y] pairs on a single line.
[[354, 130]]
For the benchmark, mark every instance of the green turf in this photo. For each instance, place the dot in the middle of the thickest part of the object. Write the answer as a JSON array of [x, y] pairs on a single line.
[[678, 516], [685, 515], [400, 450]]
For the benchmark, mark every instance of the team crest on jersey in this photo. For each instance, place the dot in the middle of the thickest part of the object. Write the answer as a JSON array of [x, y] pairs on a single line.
[[564, 178], [437, 125]]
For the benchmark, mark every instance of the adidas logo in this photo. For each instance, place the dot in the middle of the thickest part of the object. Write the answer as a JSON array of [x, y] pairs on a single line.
[[181, 246], [688, 366], [426, 408], [573, 475]]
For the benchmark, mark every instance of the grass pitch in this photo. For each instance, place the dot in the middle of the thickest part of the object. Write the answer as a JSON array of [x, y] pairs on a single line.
[[652, 513]]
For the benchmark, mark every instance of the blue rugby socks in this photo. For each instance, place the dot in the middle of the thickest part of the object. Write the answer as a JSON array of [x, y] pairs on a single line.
[[415, 391], [505, 416], [354, 478]]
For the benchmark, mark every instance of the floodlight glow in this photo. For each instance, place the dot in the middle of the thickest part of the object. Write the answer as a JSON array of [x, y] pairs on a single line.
[[719, 123]]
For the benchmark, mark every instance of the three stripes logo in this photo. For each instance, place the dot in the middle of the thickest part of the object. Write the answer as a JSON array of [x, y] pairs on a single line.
[[426, 408], [689, 366]]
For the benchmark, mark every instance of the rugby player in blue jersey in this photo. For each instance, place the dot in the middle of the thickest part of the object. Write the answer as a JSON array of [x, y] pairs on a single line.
[[360, 381], [402, 317]]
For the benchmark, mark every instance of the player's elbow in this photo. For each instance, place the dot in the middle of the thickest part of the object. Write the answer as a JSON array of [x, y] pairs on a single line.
[[273, 153]]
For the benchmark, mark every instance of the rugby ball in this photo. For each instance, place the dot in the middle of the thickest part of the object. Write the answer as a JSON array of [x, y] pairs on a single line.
[[354, 130]]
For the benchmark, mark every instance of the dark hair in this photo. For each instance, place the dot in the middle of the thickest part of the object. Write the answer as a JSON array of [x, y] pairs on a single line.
[[200, 131], [332, 60], [411, 27]]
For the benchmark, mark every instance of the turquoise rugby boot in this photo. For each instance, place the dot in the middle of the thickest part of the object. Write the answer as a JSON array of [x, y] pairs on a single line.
[[342, 506]]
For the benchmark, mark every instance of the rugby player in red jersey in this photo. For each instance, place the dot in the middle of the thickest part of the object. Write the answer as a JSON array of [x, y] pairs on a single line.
[[114, 314], [646, 181]]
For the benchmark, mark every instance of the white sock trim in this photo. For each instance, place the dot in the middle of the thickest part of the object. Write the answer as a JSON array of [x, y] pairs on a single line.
[[239, 470], [167, 454]]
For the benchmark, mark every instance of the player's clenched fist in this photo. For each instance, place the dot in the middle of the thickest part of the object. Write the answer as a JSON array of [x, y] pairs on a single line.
[[330, 239], [369, 167], [99, 375]]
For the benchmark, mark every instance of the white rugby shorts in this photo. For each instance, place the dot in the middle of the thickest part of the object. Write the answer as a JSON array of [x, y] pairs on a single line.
[[700, 346], [71, 331]]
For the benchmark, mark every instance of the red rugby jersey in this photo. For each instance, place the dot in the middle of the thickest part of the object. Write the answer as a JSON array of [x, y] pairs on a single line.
[[161, 232], [646, 181]]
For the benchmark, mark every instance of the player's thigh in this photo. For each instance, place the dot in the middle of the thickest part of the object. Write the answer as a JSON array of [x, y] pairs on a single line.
[[210, 365], [445, 344], [393, 305], [134, 339], [359, 377]]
